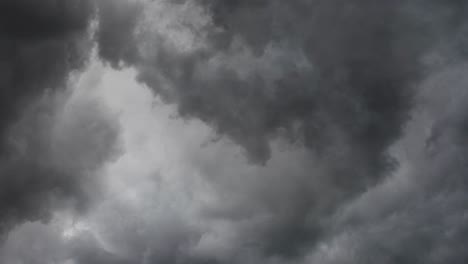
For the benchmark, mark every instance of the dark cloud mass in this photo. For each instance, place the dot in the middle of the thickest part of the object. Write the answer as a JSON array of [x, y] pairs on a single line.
[[41, 43], [350, 115], [50, 158], [338, 77]]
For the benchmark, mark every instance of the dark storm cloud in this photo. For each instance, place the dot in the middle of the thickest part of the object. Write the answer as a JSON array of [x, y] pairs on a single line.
[[336, 77], [41, 42], [418, 215], [364, 57], [51, 158], [115, 36], [336, 81], [362, 61], [42, 164]]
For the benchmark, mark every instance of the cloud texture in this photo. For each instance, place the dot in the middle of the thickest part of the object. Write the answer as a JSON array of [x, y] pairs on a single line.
[[232, 131]]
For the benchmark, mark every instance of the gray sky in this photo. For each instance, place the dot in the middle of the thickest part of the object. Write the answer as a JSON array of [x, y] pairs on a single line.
[[232, 131]]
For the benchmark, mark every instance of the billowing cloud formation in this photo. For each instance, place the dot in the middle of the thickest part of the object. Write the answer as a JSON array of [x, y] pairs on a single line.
[[256, 69], [40, 43], [417, 215], [322, 131], [336, 78], [51, 140], [52, 154]]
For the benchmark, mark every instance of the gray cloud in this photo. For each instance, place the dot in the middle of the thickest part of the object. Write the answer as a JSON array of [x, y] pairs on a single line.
[[340, 44], [47, 158], [53, 153], [334, 77], [417, 215], [339, 131], [41, 43]]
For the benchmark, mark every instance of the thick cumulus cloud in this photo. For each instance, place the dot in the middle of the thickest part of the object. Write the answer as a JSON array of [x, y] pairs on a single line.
[[51, 140], [263, 131], [176, 197], [40, 43], [336, 79], [417, 215], [256, 69], [51, 157]]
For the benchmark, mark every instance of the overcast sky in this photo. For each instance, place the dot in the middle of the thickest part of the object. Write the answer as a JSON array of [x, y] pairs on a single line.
[[233, 131]]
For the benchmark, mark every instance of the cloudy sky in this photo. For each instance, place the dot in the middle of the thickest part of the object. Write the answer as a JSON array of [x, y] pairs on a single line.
[[233, 131]]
